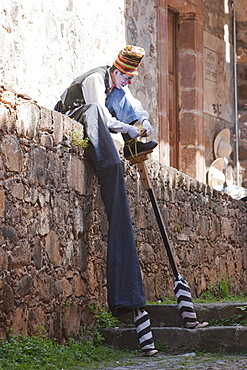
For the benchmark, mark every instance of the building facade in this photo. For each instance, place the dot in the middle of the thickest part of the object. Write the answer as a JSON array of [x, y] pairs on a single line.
[[199, 58], [192, 80]]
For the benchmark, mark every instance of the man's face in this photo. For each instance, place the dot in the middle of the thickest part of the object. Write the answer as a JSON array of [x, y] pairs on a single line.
[[121, 79]]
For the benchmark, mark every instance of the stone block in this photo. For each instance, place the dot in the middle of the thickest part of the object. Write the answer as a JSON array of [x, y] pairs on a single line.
[[45, 122], [81, 256], [187, 71], [78, 220], [8, 298], [37, 254], [2, 203], [37, 166], [67, 128], [57, 127], [25, 285], [20, 256], [189, 98], [76, 175], [28, 116], [7, 119], [52, 247], [46, 140], [20, 321], [203, 226], [63, 287], [10, 233], [71, 320], [80, 287], [45, 288], [17, 192], [43, 218], [13, 154], [37, 321], [214, 228], [227, 227], [3, 260]]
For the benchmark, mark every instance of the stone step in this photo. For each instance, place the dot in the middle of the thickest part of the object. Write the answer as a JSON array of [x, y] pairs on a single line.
[[167, 329], [168, 315], [228, 339]]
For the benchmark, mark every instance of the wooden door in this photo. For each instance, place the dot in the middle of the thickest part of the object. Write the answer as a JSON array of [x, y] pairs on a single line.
[[173, 95]]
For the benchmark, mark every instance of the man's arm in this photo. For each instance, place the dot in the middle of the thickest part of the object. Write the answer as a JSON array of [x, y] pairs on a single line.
[[142, 114], [93, 88]]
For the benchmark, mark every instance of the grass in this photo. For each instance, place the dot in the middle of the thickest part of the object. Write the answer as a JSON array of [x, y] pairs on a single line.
[[219, 292], [34, 353]]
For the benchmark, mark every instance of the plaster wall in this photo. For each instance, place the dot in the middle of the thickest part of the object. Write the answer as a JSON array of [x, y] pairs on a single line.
[[46, 44], [241, 11]]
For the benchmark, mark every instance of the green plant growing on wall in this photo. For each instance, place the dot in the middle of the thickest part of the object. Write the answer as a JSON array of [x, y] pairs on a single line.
[[243, 316], [240, 319], [218, 291], [103, 318], [77, 139], [179, 229], [225, 288]]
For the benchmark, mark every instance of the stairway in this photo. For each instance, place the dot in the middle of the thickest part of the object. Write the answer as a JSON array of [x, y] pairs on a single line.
[[168, 331]]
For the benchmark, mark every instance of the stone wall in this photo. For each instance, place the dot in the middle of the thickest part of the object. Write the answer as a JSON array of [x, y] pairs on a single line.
[[53, 229]]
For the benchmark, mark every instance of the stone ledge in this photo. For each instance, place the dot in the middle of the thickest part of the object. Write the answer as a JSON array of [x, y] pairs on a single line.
[[21, 115], [228, 339]]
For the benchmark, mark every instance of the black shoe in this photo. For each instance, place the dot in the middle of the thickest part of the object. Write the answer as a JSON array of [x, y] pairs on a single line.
[[133, 147]]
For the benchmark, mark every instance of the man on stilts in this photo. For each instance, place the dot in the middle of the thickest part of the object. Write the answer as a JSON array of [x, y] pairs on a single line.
[[101, 101]]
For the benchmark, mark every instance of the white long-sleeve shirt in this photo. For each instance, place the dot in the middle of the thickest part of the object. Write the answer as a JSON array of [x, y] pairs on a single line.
[[93, 88]]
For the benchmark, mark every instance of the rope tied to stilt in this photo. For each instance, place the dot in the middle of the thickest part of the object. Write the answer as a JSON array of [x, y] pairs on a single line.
[[134, 154]]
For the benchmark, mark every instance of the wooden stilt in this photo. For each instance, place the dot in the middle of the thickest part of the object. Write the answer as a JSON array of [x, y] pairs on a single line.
[[181, 287]]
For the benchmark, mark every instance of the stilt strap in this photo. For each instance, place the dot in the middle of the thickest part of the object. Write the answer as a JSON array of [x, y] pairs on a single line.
[[136, 157], [132, 143]]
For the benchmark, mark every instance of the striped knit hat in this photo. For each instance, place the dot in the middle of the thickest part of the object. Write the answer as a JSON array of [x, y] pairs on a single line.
[[129, 59]]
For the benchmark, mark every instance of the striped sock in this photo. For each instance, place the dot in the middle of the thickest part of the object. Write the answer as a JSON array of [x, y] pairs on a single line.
[[185, 304], [143, 329]]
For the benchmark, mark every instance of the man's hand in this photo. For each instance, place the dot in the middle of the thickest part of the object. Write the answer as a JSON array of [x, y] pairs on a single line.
[[143, 132], [146, 128], [133, 132]]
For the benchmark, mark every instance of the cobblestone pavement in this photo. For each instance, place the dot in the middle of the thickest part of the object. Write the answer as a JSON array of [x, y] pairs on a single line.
[[185, 361]]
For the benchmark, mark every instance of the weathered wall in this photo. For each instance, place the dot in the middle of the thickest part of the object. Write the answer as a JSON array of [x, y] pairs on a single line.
[[53, 229], [218, 75], [241, 11], [46, 44], [141, 29]]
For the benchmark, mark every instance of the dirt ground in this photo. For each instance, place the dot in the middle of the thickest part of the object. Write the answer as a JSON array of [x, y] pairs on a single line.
[[185, 361]]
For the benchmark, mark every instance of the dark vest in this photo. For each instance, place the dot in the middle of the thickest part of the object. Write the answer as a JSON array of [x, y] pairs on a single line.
[[73, 96]]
